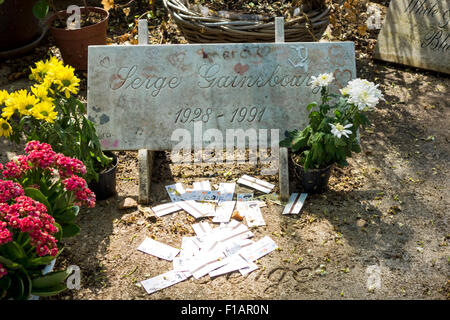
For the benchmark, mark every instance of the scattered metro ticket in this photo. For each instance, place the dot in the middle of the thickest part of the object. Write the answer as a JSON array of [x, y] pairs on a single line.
[[175, 192], [295, 203], [253, 215], [189, 247], [158, 249], [226, 191], [224, 210], [259, 249], [163, 281], [202, 185], [166, 208], [244, 196], [257, 184], [201, 228], [250, 268], [233, 263], [194, 208], [201, 195]]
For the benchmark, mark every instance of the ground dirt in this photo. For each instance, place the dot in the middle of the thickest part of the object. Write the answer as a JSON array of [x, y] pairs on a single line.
[[389, 208]]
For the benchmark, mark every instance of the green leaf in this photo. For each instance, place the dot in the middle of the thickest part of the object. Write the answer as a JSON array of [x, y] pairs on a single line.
[[9, 263], [38, 196], [68, 215], [5, 282], [70, 230], [47, 292], [50, 280], [17, 288], [311, 105], [60, 203], [58, 235], [40, 9], [14, 250], [42, 261]]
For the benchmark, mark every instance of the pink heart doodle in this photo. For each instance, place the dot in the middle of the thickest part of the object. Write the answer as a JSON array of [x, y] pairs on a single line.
[[342, 77], [241, 69]]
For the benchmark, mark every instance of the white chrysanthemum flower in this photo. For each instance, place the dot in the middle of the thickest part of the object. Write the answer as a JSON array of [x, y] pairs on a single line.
[[322, 80], [344, 91], [363, 94], [339, 130]]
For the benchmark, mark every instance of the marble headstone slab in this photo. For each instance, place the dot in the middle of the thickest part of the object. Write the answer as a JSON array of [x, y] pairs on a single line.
[[416, 33], [139, 95]]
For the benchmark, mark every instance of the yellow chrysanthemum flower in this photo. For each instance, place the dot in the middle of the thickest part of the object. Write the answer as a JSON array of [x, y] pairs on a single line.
[[65, 79], [45, 111], [22, 101], [3, 96], [42, 68], [5, 128], [41, 92]]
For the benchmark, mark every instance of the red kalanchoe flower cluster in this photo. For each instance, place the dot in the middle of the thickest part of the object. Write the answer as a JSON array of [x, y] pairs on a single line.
[[69, 166], [37, 146], [9, 190], [3, 271], [83, 194], [28, 215], [5, 234], [16, 167]]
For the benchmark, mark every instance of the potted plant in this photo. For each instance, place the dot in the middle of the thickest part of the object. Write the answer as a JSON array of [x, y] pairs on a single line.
[[28, 243], [54, 180], [74, 42], [331, 135], [51, 113], [20, 30]]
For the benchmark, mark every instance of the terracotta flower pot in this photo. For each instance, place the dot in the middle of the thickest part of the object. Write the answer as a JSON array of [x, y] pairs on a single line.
[[74, 43], [313, 180], [18, 26]]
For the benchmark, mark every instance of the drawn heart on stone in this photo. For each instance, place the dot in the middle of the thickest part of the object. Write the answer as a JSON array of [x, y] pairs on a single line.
[[342, 77], [105, 62], [176, 59], [116, 81], [241, 69]]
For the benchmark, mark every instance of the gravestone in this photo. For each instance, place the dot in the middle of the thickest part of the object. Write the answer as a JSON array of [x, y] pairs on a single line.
[[139, 95], [416, 33]]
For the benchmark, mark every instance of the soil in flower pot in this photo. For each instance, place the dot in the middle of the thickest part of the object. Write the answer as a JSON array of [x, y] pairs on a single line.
[[106, 185], [74, 43], [312, 180]]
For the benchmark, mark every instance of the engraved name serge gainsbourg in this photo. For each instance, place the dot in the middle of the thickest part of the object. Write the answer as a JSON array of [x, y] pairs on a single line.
[[211, 76]]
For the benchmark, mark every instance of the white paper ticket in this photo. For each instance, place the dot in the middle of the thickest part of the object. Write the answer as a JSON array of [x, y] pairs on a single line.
[[175, 191], [201, 228], [194, 208], [226, 191], [189, 247], [158, 249], [244, 196], [253, 215], [224, 210], [259, 249], [249, 268], [166, 208], [206, 263], [202, 185], [232, 263], [163, 281], [257, 184], [295, 203]]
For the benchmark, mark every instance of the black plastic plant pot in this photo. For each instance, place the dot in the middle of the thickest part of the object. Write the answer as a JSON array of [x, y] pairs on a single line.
[[313, 180], [106, 185]]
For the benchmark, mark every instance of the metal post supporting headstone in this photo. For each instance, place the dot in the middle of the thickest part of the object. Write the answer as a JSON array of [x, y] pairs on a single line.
[[145, 156], [283, 158]]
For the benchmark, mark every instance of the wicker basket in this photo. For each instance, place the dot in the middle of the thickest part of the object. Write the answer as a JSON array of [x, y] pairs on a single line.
[[198, 28]]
